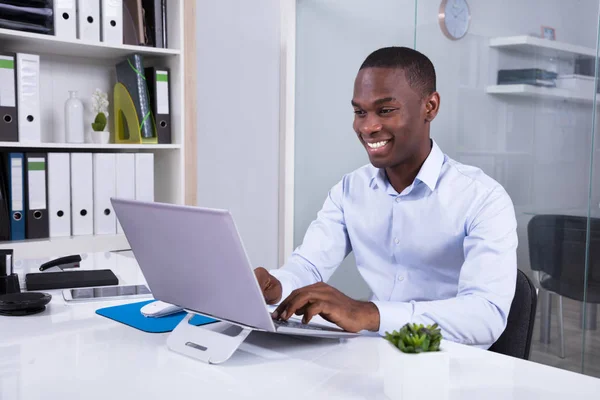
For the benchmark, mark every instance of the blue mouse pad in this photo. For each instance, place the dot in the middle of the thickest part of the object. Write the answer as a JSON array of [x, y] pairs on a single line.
[[130, 314]]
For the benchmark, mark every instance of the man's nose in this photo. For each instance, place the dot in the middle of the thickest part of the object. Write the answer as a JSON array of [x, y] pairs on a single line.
[[370, 126]]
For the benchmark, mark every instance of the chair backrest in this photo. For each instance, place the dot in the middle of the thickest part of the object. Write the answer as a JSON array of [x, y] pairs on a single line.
[[515, 341], [557, 248]]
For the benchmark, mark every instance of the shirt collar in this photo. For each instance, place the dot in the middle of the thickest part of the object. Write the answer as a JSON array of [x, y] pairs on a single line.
[[428, 174]]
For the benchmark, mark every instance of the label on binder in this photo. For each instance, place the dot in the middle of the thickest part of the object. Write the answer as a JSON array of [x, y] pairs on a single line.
[[16, 184], [8, 96], [162, 92], [36, 175]]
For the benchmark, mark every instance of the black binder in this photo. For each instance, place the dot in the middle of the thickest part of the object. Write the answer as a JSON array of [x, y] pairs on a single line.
[[9, 128], [155, 16], [36, 196], [4, 202], [160, 101]]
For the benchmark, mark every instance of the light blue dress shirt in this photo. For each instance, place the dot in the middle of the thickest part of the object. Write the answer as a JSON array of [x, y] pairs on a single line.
[[443, 250]]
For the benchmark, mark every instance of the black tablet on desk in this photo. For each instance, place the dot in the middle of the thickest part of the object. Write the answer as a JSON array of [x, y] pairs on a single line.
[[70, 279]]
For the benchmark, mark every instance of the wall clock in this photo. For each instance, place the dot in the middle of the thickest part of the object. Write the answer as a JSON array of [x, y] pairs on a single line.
[[454, 17]]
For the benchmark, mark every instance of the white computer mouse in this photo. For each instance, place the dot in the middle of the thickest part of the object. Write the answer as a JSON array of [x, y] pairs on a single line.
[[159, 309]]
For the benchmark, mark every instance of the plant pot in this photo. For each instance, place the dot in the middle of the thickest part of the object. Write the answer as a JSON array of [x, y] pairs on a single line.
[[100, 137], [414, 376]]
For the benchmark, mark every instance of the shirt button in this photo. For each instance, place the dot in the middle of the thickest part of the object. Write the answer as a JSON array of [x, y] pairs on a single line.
[[397, 241], [400, 278], [398, 200]]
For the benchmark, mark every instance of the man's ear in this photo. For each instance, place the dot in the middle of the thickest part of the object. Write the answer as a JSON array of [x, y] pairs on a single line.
[[432, 106]]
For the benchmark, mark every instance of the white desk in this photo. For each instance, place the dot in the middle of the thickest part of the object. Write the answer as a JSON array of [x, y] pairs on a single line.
[[68, 352]]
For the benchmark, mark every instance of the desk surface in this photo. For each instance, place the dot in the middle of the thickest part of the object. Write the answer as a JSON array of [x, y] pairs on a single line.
[[69, 352]]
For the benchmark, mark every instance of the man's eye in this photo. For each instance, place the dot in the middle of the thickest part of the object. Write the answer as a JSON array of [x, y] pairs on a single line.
[[359, 113], [386, 110]]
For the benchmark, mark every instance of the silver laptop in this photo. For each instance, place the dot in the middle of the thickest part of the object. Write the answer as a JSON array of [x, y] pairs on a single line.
[[194, 258]]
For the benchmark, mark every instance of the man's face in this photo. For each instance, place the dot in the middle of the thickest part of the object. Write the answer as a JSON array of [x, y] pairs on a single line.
[[390, 117]]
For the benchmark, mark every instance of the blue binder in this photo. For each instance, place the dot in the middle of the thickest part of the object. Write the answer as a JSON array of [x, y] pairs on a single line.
[[16, 185]]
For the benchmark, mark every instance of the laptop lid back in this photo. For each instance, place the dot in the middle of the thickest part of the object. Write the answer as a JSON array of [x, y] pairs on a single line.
[[194, 258]]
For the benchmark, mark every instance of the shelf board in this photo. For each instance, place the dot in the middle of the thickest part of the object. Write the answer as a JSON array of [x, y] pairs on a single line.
[[90, 146], [542, 47], [537, 91], [36, 43], [58, 247]]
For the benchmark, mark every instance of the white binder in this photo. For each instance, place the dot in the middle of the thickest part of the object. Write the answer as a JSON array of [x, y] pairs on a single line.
[[144, 176], [125, 175], [65, 19], [82, 201], [112, 21], [105, 222], [59, 194], [88, 20], [28, 97]]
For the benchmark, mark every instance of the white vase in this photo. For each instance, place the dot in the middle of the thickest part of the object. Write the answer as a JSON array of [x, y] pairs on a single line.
[[423, 376], [74, 119]]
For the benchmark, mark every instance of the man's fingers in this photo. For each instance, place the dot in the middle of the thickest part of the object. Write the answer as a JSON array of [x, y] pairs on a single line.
[[301, 300], [313, 309], [298, 298]]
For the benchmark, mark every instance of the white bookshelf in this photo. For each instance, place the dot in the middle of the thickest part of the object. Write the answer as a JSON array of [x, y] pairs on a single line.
[[35, 43], [531, 91], [89, 146], [541, 47], [84, 66]]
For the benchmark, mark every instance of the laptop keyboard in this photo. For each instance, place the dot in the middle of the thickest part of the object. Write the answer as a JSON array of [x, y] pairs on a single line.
[[299, 325]]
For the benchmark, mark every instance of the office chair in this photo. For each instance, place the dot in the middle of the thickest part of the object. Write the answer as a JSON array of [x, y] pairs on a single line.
[[557, 247], [515, 341]]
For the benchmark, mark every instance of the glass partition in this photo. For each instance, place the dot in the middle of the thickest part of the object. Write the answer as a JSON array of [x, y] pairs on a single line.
[[518, 88], [518, 85]]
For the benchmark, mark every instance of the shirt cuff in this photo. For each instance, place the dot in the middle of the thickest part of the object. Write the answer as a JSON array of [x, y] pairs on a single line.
[[393, 315], [288, 282]]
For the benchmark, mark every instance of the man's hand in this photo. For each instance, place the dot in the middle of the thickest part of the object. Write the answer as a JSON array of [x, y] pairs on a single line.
[[334, 306], [270, 286]]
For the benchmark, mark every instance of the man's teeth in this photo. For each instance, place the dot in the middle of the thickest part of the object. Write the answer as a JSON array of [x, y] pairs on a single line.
[[377, 144]]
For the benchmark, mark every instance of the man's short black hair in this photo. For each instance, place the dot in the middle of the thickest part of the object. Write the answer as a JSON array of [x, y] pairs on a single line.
[[418, 69]]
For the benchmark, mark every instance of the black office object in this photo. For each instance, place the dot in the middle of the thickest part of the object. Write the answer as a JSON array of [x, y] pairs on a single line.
[[21, 304], [9, 281], [4, 200], [153, 12], [159, 87], [70, 279], [165, 36], [36, 196], [62, 263], [24, 26], [527, 76], [29, 3], [9, 128], [27, 15]]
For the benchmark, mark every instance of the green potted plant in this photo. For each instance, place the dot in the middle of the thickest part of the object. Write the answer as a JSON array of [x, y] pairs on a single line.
[[100, 133], [412, 358]]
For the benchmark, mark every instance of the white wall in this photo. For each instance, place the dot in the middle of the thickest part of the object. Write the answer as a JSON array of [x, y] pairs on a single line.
[[334, 37], [551, 138], [238, 118]]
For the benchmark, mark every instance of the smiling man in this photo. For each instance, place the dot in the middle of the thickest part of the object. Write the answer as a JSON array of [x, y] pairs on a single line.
[[434, 239]]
